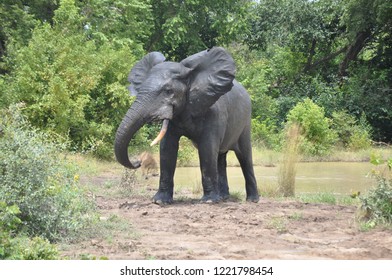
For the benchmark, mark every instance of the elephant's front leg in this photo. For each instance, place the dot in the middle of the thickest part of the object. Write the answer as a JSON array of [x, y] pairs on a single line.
[[209, 172], [168, 159]]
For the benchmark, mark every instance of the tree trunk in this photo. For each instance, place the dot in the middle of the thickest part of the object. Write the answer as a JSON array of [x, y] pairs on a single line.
[[353, 50]]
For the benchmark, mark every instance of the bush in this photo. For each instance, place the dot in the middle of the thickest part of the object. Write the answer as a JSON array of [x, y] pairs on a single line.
[[35, 178], [318, 137], [377, 204], [352, 134], [14, 245], [263, 133]]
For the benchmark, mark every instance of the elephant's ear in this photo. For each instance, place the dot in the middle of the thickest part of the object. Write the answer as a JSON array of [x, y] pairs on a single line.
[[141, 69], [195, 59], [212, 76]]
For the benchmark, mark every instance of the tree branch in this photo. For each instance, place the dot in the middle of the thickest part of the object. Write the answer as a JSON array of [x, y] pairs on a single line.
[[353, 50], [327, 58]]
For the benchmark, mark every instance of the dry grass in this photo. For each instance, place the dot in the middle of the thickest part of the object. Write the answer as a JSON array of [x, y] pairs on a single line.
[[287, 170]]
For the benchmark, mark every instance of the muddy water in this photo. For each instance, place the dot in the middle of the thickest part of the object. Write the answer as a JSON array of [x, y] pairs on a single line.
[[335, 177]]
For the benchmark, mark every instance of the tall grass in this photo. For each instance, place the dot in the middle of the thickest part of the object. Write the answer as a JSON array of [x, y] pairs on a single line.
[[287, 169]]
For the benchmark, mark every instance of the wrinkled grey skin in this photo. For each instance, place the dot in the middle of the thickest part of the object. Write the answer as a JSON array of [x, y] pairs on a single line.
[[204, 103]]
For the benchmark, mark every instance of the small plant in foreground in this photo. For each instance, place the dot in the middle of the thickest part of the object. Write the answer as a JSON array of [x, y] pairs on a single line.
[[376, 206]]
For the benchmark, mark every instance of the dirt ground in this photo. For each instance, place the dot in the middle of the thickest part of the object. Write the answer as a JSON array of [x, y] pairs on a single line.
[[270, 229]]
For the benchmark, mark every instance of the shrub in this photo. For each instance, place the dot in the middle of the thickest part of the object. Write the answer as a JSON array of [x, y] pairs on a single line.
[[35, 178], [352, 134], [263, 133], [14, 245], [377, 204], [318, 137]]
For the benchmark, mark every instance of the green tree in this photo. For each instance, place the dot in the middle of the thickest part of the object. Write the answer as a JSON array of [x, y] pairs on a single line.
[[255, 73], [338, 53], [182, 28], [122, 21], [70, 84], [18, 18]]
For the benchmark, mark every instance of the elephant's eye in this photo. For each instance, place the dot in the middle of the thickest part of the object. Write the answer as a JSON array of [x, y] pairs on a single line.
[[169, 92]]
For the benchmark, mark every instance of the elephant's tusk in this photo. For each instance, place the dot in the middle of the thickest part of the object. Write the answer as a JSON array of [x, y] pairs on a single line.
[[161, 133]]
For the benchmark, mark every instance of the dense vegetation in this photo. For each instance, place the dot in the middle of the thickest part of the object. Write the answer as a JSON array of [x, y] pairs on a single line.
[[40, 200], [325, 65], [68, 60]]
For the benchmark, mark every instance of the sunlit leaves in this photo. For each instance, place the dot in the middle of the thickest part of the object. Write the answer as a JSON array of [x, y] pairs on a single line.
[[182, 28]]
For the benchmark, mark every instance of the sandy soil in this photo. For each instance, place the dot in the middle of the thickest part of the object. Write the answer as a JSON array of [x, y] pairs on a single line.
[[269, 229]]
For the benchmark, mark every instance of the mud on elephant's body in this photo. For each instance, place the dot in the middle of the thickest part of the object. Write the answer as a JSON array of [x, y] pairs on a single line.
[[197, 98]]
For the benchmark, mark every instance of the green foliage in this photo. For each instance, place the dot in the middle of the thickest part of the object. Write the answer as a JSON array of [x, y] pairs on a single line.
[[365, 91], [68, 60], [256, 75], [14, 245], [286, 63], [35, 178], [121, 21], [9, 223], [186, 153], [316, 128], [327, 198], [352, 134], [376, 205], [264, 133], [15, 28], [182, 28], [71, 86], [293, 23]]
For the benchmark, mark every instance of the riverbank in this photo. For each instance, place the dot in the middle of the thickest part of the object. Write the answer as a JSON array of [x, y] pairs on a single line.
[[131, 227], [309, 226]]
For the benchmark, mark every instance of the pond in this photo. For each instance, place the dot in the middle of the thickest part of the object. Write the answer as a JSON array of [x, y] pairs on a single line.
[[311, 177]]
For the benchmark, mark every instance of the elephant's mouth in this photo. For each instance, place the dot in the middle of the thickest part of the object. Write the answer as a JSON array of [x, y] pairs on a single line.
[[162, 133]]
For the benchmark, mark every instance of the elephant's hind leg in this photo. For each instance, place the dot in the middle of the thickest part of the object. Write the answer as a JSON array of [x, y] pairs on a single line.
[[209, 171], [244, 155]]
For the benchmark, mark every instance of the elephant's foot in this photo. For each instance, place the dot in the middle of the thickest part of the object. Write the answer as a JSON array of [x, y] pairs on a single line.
[[163, 198], [212, 197], [253, 198], [225, 197], [224, 193]]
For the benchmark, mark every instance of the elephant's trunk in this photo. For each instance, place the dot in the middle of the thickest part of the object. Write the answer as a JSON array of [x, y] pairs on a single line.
[[130, 124]]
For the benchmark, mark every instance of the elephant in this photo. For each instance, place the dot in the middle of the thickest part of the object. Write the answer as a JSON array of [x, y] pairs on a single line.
[[200, 99]]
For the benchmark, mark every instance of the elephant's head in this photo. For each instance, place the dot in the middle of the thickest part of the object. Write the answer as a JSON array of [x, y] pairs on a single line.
[[165, 89]]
